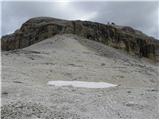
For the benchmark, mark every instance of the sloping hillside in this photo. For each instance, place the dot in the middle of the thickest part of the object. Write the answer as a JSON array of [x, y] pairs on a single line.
[[25, 73]]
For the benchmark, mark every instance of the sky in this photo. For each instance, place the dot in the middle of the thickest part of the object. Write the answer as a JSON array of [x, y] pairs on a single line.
[[141, 15]]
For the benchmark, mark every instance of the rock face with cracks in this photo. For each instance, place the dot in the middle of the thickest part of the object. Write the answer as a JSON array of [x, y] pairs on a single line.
[[120, 37]]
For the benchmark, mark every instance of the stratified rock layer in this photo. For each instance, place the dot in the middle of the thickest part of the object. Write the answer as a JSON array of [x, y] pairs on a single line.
[[126, 38]]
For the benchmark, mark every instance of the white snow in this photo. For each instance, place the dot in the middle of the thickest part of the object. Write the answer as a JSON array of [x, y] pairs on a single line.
[[81, 84]]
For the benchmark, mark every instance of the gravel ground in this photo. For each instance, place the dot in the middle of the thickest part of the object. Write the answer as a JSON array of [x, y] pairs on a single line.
[[25, 73]]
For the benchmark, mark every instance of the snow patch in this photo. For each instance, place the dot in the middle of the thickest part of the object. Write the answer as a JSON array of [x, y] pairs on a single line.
[[81, 84]]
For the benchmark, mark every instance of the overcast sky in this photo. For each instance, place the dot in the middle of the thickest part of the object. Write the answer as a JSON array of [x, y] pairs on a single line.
[[140, 15]]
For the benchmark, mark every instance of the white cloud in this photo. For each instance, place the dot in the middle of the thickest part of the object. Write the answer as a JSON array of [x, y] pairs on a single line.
[[88, 16]]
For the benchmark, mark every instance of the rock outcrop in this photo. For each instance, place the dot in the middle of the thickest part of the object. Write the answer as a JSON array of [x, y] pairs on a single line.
[[119, 37]]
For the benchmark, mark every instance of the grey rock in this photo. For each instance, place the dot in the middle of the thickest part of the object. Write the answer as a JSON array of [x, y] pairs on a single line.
[[119, 37]]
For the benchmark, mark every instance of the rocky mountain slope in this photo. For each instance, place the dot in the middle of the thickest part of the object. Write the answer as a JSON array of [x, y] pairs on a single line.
[[68, 57], [119, 37]]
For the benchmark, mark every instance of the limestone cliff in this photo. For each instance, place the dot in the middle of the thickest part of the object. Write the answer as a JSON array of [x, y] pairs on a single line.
[[119, 37]]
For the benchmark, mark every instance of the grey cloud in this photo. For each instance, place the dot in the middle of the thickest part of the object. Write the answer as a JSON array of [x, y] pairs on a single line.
[[140, 15]]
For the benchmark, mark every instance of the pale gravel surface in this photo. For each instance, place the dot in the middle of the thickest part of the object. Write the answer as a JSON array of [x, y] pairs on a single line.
[[25, 73]]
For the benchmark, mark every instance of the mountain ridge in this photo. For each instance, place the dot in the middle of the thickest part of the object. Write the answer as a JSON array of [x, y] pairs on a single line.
[[120, 37]]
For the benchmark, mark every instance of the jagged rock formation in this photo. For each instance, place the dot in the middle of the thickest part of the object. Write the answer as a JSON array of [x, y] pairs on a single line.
[[40, 28]]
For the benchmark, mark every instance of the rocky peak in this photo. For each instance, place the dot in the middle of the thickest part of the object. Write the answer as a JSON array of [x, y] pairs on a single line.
[[123, 37]]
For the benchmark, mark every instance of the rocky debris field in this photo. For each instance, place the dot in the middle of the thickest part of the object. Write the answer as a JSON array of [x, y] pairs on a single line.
[[25, 73]]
